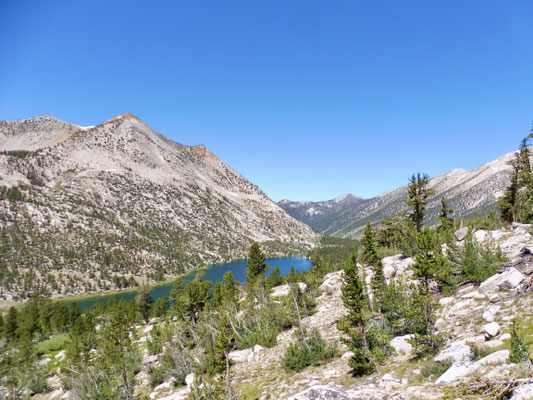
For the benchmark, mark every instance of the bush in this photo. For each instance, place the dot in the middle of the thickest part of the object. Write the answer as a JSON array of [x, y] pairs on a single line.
[[55, 343], [435, 368], [519, 349], [299, 355], [14, 194]]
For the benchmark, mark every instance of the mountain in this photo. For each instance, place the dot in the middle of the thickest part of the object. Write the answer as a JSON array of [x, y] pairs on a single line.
[[88, 208], [467, 191], [313, 212]]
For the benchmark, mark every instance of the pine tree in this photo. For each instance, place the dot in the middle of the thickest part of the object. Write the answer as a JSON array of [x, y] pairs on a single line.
[[369, 254], [429, 261], [161, 306], [275, 278], [508, 202], [293, 276], [519, 350], [177, 296], [225, 291], [417, 194], [119, 351], [144, 303], [446, 222], [255, 266], [354, 322], [196, 295], [11, 323]]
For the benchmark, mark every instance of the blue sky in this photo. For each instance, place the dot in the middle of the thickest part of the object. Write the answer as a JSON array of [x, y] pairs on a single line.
[[307, 99]]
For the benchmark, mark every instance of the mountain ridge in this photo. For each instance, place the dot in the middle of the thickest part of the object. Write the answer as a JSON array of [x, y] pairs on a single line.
[[119, 200], [467, 191]]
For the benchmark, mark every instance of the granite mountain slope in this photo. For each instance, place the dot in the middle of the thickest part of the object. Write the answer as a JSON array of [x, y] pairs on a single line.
[[467, 191], [91, 208]]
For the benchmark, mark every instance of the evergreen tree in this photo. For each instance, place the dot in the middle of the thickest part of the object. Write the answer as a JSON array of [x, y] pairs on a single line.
[[369, 254], [11, 323], [417, 194], [474, 267], [446, 222], [75, 312], [353, 324], [293, 276], [225, 291], [161, 306], [255, 266], [429, 261], [177, 296], [195, 297], [1, 325], [275, 278], [508, 202], [144, 303], [119, 352], [519, 350]]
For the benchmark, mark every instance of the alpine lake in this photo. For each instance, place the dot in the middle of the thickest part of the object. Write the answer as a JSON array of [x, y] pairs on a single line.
[[213, 273]]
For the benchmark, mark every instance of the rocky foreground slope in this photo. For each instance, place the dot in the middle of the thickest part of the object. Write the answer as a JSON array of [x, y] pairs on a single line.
[[476, 321], [467, 192], [90, 208]]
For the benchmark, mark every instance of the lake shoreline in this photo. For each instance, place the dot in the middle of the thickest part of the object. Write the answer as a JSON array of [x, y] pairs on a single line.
[[98, 295]]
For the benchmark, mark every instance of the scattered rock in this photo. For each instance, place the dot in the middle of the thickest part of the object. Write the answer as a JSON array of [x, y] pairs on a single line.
[[397, 265], [505, 336], [320, 392], [332, 282], [492, 344], [401, 345], [148, 328], [348, 354], [524, 392], [189, 379], [506, 280], [480, 236], [387, 378], [440, 324], [488, 316], [240, 356], [492, 329], [496, 358], [61, 355], [457, 371], [456, 352], [460, 234], [284, 290]]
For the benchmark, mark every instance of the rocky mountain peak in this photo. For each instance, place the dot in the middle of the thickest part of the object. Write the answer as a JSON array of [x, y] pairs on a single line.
[[122, 188]]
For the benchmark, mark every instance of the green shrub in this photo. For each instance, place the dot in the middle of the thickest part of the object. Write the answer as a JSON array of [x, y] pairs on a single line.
[[519, 349], [435, 368], [14, 194], [300, 355], [55, 343]]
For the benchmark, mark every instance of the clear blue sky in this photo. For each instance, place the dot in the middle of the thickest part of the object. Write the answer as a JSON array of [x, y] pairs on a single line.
[[307, 99]]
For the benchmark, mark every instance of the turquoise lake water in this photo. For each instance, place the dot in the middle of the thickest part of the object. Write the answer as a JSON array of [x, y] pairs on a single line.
[[213, 273]]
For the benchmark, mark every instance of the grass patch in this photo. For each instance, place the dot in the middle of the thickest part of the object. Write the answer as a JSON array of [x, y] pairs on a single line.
[[54, 344]]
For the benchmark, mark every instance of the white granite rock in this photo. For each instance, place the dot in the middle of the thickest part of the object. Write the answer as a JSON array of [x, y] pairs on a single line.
[[401, 345], [456, 352], [492, 329]]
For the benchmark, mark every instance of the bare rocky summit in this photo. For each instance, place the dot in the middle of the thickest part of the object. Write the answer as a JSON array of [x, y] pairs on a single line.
[[467, 191], [88, 208]]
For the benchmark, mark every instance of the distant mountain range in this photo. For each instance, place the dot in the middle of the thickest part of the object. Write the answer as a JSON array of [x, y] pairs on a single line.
[[467, 192], [86, 208]]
